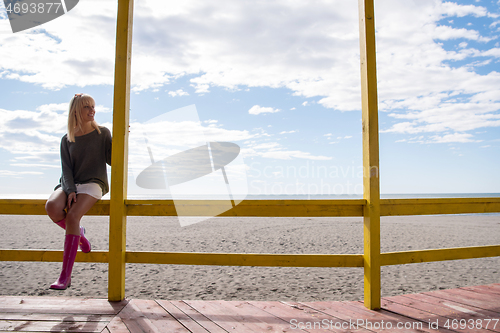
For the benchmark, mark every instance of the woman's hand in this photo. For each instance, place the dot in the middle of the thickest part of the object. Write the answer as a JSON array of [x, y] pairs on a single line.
[[71, 199]]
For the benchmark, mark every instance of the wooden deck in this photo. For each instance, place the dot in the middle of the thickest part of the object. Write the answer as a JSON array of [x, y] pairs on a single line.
[[468, 309]]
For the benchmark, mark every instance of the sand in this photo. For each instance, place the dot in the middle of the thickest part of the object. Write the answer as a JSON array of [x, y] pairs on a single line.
[[254, 235]]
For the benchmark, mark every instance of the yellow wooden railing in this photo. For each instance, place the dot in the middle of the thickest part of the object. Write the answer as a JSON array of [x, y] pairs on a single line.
[[264, 208], [371, 207]]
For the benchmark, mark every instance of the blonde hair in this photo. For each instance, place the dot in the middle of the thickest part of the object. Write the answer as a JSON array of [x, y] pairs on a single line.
[[76, 105]]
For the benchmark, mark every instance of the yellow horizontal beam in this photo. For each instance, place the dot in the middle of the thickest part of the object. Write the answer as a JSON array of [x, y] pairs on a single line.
[[257, 208], [37, 207], [246, 259], [276, 208], [22, 207], [393, 207], [252, 259], [409, 257], [51, 256]]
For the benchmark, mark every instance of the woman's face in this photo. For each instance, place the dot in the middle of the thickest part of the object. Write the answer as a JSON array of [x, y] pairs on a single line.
[[88, 113]]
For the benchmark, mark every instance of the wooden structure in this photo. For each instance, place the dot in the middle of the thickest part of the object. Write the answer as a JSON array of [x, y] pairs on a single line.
[[371, 207], [469, 309]]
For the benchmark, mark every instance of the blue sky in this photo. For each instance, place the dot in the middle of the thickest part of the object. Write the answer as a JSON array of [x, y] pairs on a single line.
[[279, 78]]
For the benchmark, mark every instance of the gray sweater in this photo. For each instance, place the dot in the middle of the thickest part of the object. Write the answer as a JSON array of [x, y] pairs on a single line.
[[84, 161]]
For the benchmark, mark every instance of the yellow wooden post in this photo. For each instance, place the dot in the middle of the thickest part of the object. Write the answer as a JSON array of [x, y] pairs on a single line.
[[119, 158], [370, 154]]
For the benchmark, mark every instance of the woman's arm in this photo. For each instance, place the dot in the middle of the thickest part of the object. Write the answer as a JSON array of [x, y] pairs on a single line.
[[67, 180]]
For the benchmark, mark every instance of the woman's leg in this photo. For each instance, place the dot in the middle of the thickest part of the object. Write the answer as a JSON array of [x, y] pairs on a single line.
[[82, 205], [55, 208], [70, 248], [55, 205], [72, 239]]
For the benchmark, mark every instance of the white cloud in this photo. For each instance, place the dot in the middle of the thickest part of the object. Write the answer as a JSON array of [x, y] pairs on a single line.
[[8, 173], [275, 150], [257, 109], [330, 136], [289, 154], [287, 132], [75, 49], [494, 24], [185, 133], [495, 52], [459, 117], [446, 138], [313, 50], [28, 133], [178, 92], [200, 88], [166, 137], [34, 137], [416, 81], [447, 33], [34, 165], [102, 108], [54, 107], [455, 137], [266, 45], [453, 9], [266, 146]]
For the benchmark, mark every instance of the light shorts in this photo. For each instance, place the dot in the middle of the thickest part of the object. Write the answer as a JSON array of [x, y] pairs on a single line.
[[92, 189]]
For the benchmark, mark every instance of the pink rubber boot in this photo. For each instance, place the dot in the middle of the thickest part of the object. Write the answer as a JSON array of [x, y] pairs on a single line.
[[70, 248], [84, 242]]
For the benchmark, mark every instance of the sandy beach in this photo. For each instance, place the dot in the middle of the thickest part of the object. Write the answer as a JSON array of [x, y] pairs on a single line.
[[254, 235]]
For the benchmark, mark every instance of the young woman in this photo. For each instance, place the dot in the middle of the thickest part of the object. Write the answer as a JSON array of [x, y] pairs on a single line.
[[85, 150]]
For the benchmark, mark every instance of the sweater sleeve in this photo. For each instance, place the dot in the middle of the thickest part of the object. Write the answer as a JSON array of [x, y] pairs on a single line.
[[67, 180], [108, 145]]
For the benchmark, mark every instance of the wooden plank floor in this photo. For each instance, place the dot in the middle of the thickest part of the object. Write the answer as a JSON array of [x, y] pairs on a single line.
[[468, 309]]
